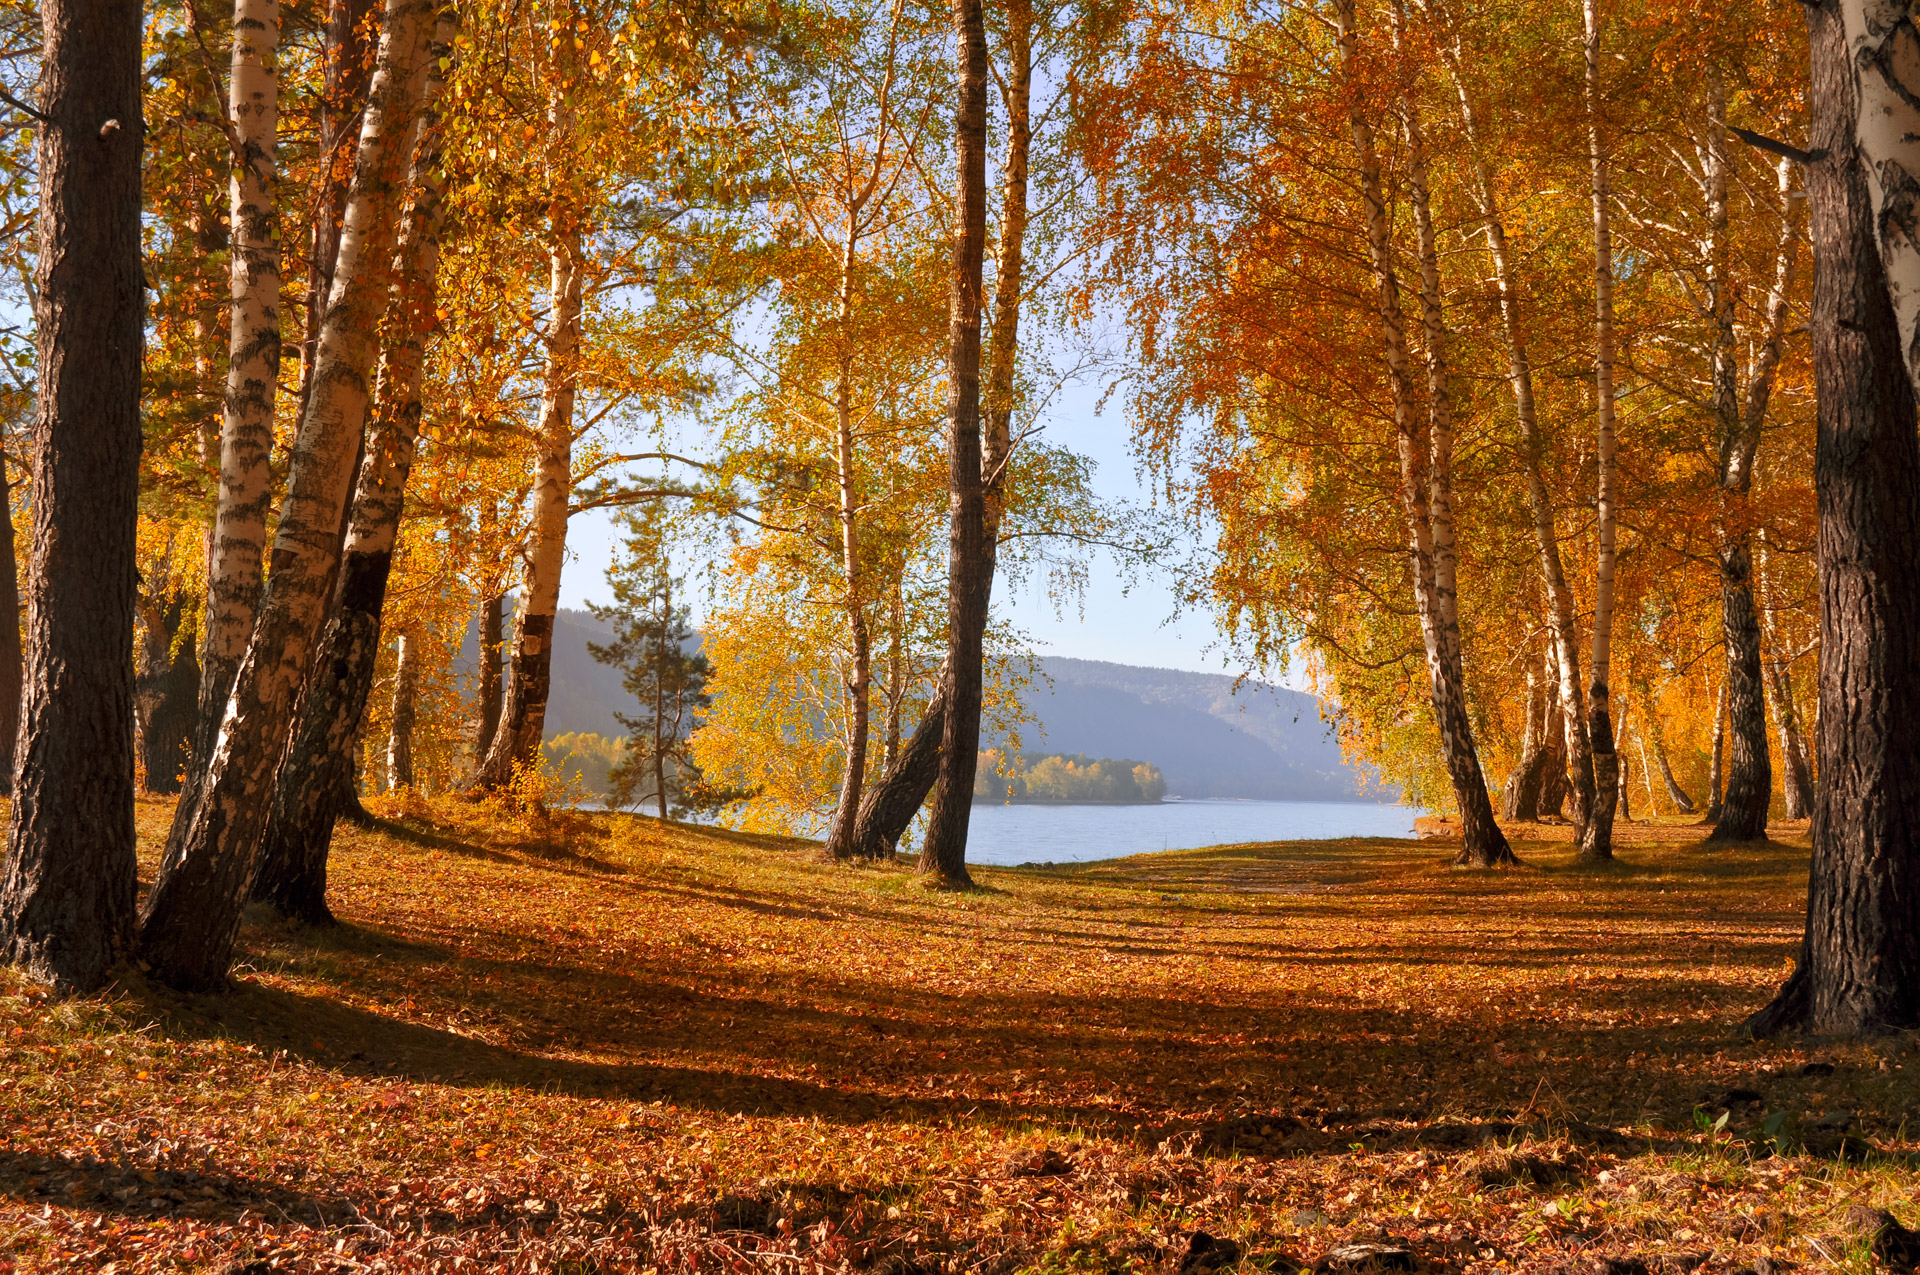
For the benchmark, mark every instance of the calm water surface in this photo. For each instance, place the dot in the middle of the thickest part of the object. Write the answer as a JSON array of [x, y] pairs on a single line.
[[1076, 834]]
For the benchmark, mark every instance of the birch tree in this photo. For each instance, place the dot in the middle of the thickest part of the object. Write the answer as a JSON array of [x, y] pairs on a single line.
[[191, 916]]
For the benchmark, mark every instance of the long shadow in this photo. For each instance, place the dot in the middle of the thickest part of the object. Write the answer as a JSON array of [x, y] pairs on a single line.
[[129, 1188]]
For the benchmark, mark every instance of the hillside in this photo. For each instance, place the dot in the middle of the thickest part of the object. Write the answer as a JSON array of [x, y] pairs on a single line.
[[1209, 738], [608, 1044]]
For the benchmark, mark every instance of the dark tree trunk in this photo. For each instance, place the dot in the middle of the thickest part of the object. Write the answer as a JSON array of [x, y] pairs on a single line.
[[1521, 800], [895, 798], [493, 633], [67, 893], [1749, 772], [10, 661], [969, 553], [166, 696], [1859, 967]]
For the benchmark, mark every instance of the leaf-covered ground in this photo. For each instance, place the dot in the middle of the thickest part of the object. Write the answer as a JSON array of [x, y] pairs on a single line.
[[609, 1045]]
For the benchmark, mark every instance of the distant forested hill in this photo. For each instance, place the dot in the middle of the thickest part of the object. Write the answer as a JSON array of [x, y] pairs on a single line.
[[1208, 739]]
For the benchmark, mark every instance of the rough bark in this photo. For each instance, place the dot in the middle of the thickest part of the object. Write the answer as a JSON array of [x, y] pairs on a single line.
[[1797, 781], [237, 545], [400, 721], [11, 670], [523, 714], [1521, 801], [316, 778], [896, 797], [1859, 967], [67, 888], [1425, 450], [1749, 770], [193, 912], [969, 557]]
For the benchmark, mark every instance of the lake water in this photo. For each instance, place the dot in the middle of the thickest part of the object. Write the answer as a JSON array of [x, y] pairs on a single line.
[[1077, 834]]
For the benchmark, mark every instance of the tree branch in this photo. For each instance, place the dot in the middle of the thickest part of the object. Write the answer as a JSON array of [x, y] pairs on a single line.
[[1762, 142]]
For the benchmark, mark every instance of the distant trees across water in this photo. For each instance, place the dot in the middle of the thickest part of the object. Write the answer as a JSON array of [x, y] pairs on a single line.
[[1058, 777]]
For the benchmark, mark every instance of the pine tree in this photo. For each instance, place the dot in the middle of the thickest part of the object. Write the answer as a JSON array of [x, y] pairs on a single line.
[[653, 642]]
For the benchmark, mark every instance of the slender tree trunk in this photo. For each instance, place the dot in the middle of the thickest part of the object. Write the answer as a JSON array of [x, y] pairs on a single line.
[[1859, 967], [193, 912], [1749, 773], [523, 716], [1716, 773], [1596, 836], [11, 671], [662, 656], [67, 887], [1553, 780], [1521, 801], [1533, 441], [1423, 449], [239, 539], [896, 688], [492, 637], [1797, 780], [400, 720], [316, 778], [969, 557], [1646, 772], [1626, 769], [1681, 801], [166, 693], [859, 682]]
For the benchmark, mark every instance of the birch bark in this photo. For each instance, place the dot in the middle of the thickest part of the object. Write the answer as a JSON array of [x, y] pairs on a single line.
[[400, 721], [238, 542], [193, 911], [317, 775], [1883, 48], [1425, 457], [1596, 837]]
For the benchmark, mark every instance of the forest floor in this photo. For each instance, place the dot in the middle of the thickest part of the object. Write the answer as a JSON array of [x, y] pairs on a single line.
[[610, 1044]]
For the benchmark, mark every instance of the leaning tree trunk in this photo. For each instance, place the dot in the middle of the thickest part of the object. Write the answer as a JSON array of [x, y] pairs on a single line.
[[1859, 967], [1482, 842], [1681, 801], [896, 796], [67, 888], [237, 546], [317, 775], [193, 913], [1596, 836], [523, 715], [969, 553]]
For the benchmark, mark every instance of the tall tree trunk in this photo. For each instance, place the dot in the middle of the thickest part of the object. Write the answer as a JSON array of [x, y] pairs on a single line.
[[1859, 968], [1749, 772], [11, 670], [1533, 444], [67, 888], [492, 638], [969, 557], [166, 693], [401, 719], [859, 682], [1596, 837], [1883, 45], [523, 716], [1626, 769], [896, 688], [238, 542], [1425, 463], [316, 778], [193, 913], [662, 656]]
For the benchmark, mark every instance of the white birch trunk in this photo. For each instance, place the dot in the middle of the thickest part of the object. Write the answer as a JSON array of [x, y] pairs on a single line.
[[193, 912], [1596, 840], [239, 536], [1883, 47]]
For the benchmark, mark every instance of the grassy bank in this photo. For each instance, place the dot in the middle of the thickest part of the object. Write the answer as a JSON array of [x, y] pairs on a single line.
[[612, 1044]]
